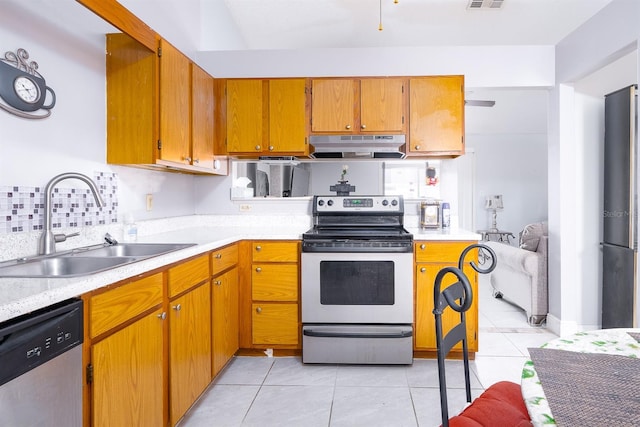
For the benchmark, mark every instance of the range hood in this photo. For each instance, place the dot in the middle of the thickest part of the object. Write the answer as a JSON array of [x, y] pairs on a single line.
[[357, 146]]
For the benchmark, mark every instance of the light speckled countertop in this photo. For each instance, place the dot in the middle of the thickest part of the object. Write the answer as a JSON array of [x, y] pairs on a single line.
[[20, 296], [450, 234]]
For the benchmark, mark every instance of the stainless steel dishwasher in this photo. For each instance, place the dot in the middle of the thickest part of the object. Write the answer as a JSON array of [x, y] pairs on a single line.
[[41, 367]]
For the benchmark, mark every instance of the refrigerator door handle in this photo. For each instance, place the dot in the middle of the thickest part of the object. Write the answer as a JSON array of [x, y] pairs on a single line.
[[633, 137]]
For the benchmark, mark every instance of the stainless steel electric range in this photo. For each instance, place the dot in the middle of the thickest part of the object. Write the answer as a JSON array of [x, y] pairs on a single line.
[[357, 282]]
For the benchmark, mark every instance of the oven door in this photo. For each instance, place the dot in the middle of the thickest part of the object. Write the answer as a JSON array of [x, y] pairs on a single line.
[[367, 287]]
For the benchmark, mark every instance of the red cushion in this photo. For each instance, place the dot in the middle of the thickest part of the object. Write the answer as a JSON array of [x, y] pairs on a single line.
[[501, 405]]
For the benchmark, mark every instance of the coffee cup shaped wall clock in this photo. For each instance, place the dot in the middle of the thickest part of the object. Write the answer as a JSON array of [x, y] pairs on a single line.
[[22, 88]]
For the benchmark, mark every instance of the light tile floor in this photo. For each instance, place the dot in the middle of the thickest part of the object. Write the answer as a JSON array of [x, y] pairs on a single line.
[[281, 391]]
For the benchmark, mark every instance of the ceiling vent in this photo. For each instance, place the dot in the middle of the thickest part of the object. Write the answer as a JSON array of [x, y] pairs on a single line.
[[485, 4]]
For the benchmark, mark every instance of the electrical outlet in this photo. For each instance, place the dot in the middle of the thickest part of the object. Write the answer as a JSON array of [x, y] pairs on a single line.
[[245, 208], [149, 202]]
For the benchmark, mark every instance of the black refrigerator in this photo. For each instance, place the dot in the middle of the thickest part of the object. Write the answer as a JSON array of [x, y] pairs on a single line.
[[619, 245]]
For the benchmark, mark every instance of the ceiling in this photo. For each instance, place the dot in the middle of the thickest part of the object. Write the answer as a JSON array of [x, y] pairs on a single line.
[[304, 24]]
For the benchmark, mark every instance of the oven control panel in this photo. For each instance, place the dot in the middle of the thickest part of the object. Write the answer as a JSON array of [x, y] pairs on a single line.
[[358, 203]]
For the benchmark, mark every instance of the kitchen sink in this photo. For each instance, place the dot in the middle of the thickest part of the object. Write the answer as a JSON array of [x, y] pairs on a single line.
[[131, 250], [87, 260], [62, 266]]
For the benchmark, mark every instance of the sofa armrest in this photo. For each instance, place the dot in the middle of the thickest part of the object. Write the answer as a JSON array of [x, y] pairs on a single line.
[[515, 258]]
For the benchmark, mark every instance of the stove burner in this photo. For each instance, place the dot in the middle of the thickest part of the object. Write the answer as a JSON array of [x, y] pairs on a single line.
[[357, 224]]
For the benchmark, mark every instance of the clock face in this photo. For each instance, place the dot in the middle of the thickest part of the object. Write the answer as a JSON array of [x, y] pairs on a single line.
[[26, 89]]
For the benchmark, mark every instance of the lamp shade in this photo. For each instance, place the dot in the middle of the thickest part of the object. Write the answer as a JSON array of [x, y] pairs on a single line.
[[493, 202]]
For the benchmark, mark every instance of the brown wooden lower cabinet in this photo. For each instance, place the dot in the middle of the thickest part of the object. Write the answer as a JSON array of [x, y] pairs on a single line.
[[269, 297], [189, 349], [225, 318], [275, 324], [128, 372], [430, 258]]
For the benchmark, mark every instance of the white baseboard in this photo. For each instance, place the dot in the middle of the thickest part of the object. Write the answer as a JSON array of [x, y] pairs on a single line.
[[564, 328]]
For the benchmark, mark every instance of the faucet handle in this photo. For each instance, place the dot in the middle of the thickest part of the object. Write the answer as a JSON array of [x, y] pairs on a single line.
[[63, 237], [110, 239]]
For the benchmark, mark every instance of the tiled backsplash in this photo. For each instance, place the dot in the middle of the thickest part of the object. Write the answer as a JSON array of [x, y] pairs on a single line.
[[22, 208]]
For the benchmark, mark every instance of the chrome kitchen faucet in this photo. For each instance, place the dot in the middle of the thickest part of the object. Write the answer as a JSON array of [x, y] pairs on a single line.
[[48, 240]]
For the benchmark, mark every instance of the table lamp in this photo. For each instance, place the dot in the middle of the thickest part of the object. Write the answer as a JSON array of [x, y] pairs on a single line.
[[493, 204]]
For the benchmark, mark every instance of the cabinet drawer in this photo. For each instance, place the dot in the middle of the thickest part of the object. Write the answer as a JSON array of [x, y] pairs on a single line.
[[448, 252], [188, 274], [223, 258], [114, 307], [275, 324], [274, 282], [275, 251]]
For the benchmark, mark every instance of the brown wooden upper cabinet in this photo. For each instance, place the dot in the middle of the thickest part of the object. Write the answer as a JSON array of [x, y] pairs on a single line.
[[160, 108], [266, 117], [436, 118], [358, 106]]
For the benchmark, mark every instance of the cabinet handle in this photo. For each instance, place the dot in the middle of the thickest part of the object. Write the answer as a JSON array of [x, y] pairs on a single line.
[[259, 310], [196, 160], [187, 159], [417, 147], [177, 307], [347, 127], [271, 148], [218, 256], [363, 126], [258, 269], [423, 270], [217, 282], [258, 148], [162, 315], [423, 246], [258, 248]]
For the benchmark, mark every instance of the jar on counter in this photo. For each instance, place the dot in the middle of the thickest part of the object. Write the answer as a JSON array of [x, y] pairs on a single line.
[[430, 214]]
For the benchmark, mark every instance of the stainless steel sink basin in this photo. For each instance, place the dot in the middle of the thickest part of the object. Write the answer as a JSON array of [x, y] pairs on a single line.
[[62, 266], [136, 250], [88, 260]]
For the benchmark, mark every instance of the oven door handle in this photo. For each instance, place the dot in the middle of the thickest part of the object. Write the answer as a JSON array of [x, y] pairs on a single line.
[[338, 334]]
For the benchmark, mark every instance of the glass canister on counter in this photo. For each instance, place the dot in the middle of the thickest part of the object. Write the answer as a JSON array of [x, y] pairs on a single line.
[[430, 214]]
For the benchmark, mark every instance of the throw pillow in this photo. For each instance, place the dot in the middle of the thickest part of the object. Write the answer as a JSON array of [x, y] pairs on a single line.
[[530, 235]]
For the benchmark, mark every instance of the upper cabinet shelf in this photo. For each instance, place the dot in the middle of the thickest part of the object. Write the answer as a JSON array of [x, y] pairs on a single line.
[[266, 117], [160, 109], [164, 112], [358, 106], [436, 116]]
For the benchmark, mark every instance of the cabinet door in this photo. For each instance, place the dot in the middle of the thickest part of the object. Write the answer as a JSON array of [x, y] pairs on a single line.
[[287, 124], [332, 105], [128, 371], [381, 105], [225, 318], [436, 111], [175, 105], [190, 349], [274, 323], [131, 101], [425, 330], [202, 118], [244, 116]]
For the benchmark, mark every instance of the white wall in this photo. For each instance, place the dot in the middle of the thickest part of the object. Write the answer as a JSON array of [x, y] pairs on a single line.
[[510, 144], [482, 66], [575, 136]]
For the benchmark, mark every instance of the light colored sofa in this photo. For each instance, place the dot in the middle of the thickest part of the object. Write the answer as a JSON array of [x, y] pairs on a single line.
[[521, 273]]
